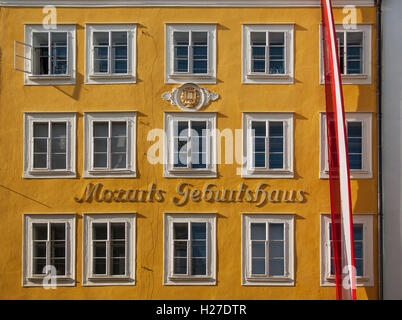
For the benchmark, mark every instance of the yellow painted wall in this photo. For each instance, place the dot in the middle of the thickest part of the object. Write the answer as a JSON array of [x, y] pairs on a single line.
[[305, 98]]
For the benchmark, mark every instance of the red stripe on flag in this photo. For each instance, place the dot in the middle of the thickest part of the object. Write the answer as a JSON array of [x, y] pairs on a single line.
[[341, 205]]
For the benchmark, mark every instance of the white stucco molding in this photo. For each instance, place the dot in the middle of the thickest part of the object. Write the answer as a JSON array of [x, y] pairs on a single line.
[[182, 3]]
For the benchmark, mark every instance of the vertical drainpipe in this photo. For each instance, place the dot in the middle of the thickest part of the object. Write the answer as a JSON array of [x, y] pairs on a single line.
[[379, 151]]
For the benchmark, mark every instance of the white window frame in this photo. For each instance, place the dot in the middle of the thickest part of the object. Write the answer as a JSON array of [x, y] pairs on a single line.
[[249, 77], [90, 279], [210, 171], [28, 278], [265, 280], [366, 76], [174, 77], [367, 171], [29, 119], [168, 277], [367, 280], [110, 116], [52, 79], [104, 78], [288, 146]]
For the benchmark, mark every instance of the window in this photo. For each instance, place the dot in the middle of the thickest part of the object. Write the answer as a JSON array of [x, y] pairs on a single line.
[[109, 249], [110, 139], [49, 249], [267, 249], [190, 144], [354, 52], [52, 53], [363, 247], [190, 53], [110, 53], [268, 53], [190, 249], [49, 148], [358, 131], [267, 145]]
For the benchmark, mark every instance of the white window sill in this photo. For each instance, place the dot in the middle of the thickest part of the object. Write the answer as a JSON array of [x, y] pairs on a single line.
[[193, 77], [190, 280], [111, 76], [109, 173], [352, 79], [284, 174], [50, 77], [189, 173], [49, 174], [264, 78], [109, 280], [38, 281], [268, 281], [330, 281], [358, 174]]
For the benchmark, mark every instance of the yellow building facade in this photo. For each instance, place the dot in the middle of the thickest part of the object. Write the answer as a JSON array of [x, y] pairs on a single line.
[[89, 183]]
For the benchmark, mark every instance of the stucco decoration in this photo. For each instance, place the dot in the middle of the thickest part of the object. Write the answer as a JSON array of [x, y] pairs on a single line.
[[190, 97]]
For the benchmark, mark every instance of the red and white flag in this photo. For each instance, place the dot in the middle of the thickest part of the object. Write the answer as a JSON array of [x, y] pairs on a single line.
[[341, 206]]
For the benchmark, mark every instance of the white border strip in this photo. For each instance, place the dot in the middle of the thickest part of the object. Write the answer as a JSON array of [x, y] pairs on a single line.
[[182, 3]]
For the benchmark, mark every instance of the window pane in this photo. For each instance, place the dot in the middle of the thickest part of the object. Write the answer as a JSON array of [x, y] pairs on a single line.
[[276, 145], [358, 249], [180, 38], [259, 128], [40, 145], [120, 66], [198, 160], [58, 249], [101, 38], [118, 266], [99, 249], [276, 267], [276, 249], [198, 231], [258, 66], [198, 249], [101, 65], [100, 160], [101, 129], [119, 144], [355, 145], [258, 249], [99, 266], [60, 265], [181, 42], [38, 265], [39, 249], [118, 231], [39, 231], [355, 161], [354, 129], [258, 231], [359, 267], [276, 161], [119, 161], [180, 249], [57, 231], [181, 66], [276, 231], [59, 133], [358, 232], [180, 265], [119, 38], [40, 161], [99, 231], [100, 145], [199, 266], [180, 231], [200, 66], [40, 129], [258, 266], [259, 160], [258, 38], [58, 38], [118, 249], [58, 161], [101, 53]]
